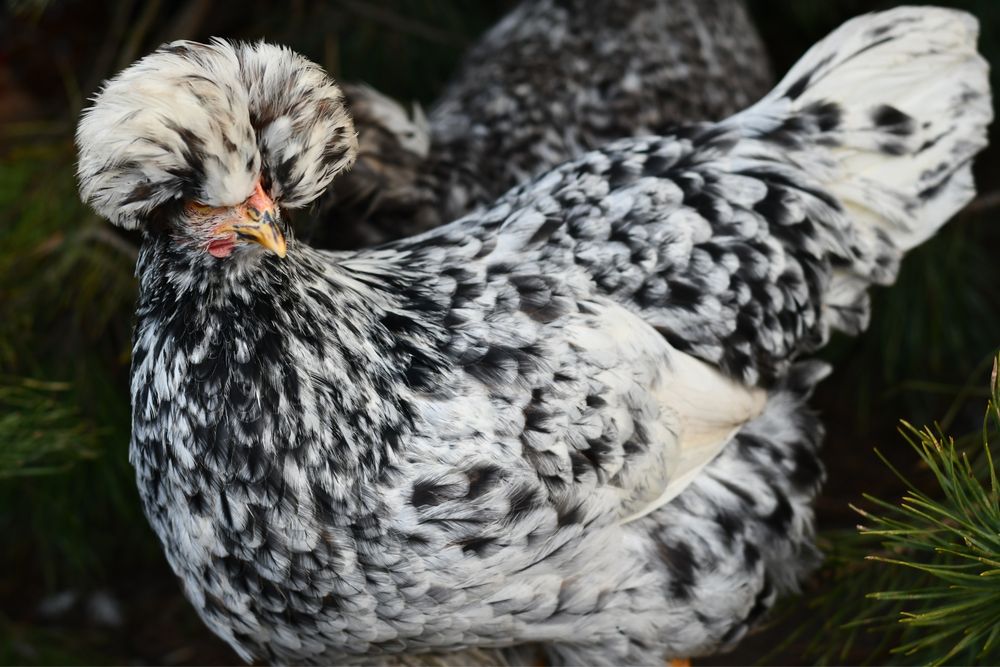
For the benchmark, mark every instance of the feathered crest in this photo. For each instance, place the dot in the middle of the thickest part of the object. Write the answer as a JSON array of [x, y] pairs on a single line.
[[204, 122]]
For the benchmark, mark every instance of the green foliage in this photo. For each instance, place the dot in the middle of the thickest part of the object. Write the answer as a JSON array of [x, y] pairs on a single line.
[[951, 541], [930, 591], [44, 433], [66, 300], [66, 283]]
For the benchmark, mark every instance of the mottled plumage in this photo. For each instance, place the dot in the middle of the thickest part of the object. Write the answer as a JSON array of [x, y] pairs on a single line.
[[551, 80], [472, 437]]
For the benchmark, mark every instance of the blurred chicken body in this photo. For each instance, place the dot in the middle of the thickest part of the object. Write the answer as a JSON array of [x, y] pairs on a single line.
[[552, 80]]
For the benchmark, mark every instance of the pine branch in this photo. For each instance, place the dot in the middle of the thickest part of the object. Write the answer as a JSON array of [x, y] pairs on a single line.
[[928, 592], [42, 430], [953, 539]]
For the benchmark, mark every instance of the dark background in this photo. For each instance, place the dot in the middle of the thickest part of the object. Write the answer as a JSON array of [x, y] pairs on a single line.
[[82, 579]]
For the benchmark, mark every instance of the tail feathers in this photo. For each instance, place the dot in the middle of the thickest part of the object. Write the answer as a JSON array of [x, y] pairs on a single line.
[[885, 114], [914, 104]]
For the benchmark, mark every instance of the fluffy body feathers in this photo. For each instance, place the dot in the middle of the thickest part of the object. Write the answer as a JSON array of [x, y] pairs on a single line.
[[550, 81], [467, 438]]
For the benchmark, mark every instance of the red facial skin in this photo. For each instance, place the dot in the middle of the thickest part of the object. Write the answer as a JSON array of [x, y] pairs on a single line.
[[220, 220], [221, 248]]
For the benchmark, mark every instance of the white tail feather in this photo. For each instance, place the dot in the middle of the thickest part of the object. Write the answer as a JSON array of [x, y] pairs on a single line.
[[900, 101]]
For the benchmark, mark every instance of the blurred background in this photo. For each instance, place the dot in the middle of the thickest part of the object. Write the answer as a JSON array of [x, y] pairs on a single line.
[[82, 578]]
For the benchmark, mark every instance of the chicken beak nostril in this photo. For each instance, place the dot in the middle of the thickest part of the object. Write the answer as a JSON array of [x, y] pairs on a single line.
[[265, 232], [265, 210], [259, 226], [260, 222]]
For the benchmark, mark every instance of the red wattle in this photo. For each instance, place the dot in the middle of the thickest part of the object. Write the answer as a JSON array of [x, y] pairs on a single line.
[[221, 247]]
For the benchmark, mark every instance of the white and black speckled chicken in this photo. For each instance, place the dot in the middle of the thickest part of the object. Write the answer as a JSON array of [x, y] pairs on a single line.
[[471, 438], [550, 81], [553, 79]]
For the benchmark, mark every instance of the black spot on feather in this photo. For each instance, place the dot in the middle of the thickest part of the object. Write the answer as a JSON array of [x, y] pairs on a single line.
[[684, 295], [799, 86], [729, 524], [536, 419], [141, 192], [827, 115], [737, 491], [498, 367], [680, 562], [197, 504], [569, 513], [522, 500], [620, 173], [481, 480], [751, 555], [878, 31], [761, 603], [790, 133], [893, 120], [545, 230], [656, 165], [417, 540], [476, 545], [807, 471], [892, 148], [427, 493], [779, 519]]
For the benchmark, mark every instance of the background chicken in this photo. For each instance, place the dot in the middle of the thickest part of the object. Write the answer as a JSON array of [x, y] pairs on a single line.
[[549, 81], [455, 440]]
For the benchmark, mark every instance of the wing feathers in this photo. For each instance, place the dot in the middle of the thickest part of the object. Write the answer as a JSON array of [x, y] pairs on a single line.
[[709, 408], [697, 408]]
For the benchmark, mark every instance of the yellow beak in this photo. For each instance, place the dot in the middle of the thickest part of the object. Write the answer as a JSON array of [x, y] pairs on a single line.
[[257, 221], [262, 229]]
